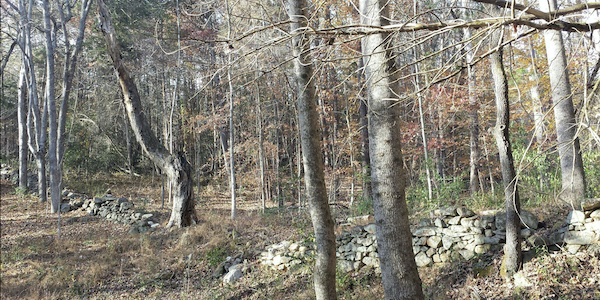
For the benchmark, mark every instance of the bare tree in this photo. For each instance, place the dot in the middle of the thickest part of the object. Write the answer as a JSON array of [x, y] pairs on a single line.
[[176, 166], [310, 135], [513, 257], [571, 163], [398, 268]]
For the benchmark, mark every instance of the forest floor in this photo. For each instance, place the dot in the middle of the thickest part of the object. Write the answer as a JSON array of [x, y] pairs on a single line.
[[97, 259]]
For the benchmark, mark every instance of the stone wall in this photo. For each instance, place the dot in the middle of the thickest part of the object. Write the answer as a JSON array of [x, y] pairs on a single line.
[[449, 234], [582, 228], [118, 210]]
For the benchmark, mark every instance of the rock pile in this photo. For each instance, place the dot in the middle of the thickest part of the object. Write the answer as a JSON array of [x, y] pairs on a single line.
[[12, 175], [582, 228], [232, 269], [284, 255], [120, 210]]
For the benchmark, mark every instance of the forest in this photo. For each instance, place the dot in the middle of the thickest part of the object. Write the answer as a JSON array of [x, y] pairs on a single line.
[[300, 149]]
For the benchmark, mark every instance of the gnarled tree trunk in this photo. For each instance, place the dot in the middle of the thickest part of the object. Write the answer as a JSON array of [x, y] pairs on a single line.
[[513, 257], [176, 166]]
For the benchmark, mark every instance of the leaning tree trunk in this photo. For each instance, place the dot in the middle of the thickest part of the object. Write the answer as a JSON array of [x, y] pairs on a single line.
[[398, 268], [571, 163], [310, 135], [176, 166], [513, 257]]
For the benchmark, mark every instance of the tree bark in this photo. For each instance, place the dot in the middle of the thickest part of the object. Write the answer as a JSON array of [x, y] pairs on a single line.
[[367, 191], [571, 163], [398, 268], [176, 166], [22, 124], [513, 258], [310, 135], [55, 193]]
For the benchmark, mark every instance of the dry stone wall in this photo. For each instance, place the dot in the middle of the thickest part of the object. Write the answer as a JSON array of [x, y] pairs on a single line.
[[582, 228], [449, 234], [118, 210]]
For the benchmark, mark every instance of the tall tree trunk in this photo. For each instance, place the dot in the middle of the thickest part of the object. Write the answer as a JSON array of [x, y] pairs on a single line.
[[367, 191], [310, 135], [55, 193], [571, 163], [22, 124], [231, 125], [513, 257], [538, 116], [176, 166], [261, 158], [398, 268], [473, 113]]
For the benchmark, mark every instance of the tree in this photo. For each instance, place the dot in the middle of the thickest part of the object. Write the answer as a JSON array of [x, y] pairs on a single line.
[[513, 257], [569, 151], [22, 118], [176, 166], [398, 268], [310, 136]]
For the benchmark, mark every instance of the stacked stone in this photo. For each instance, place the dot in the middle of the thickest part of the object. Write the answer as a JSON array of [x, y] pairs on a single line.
[[12, 175], [583, 227], [284, 255], [120, 210], [358, 249], [450, 233]]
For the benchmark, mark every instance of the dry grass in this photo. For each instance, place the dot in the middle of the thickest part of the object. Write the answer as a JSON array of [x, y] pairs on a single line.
[[97, 259]]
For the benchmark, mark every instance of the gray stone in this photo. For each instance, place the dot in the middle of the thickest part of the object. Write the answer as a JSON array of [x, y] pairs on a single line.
[[493, 240], [593, 226], [345, 266], [65, 207], [526, 232], [537, 240], [370, 261], [454, 220], [99, 200], [425, 223], [434, 242], [430, 252], [147, 216], [478, 239], [458, 228], [416, 250], [573, 248], [580, 237], [575, 217], [422, 260], [480, 249], [370, 228], [590, 204], [448, 211], [595, 215], [465, 212], [466, 254], [556, 238], [232, 276], [425, 231], [440, 223], [529, 219], [447, 242]]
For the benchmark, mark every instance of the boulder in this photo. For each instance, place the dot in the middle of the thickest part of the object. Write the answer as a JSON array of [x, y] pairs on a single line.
[[422, 260], [434, 242], [590, 204], [580, 237], [576, 217], [465, 212], [232, 276]]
